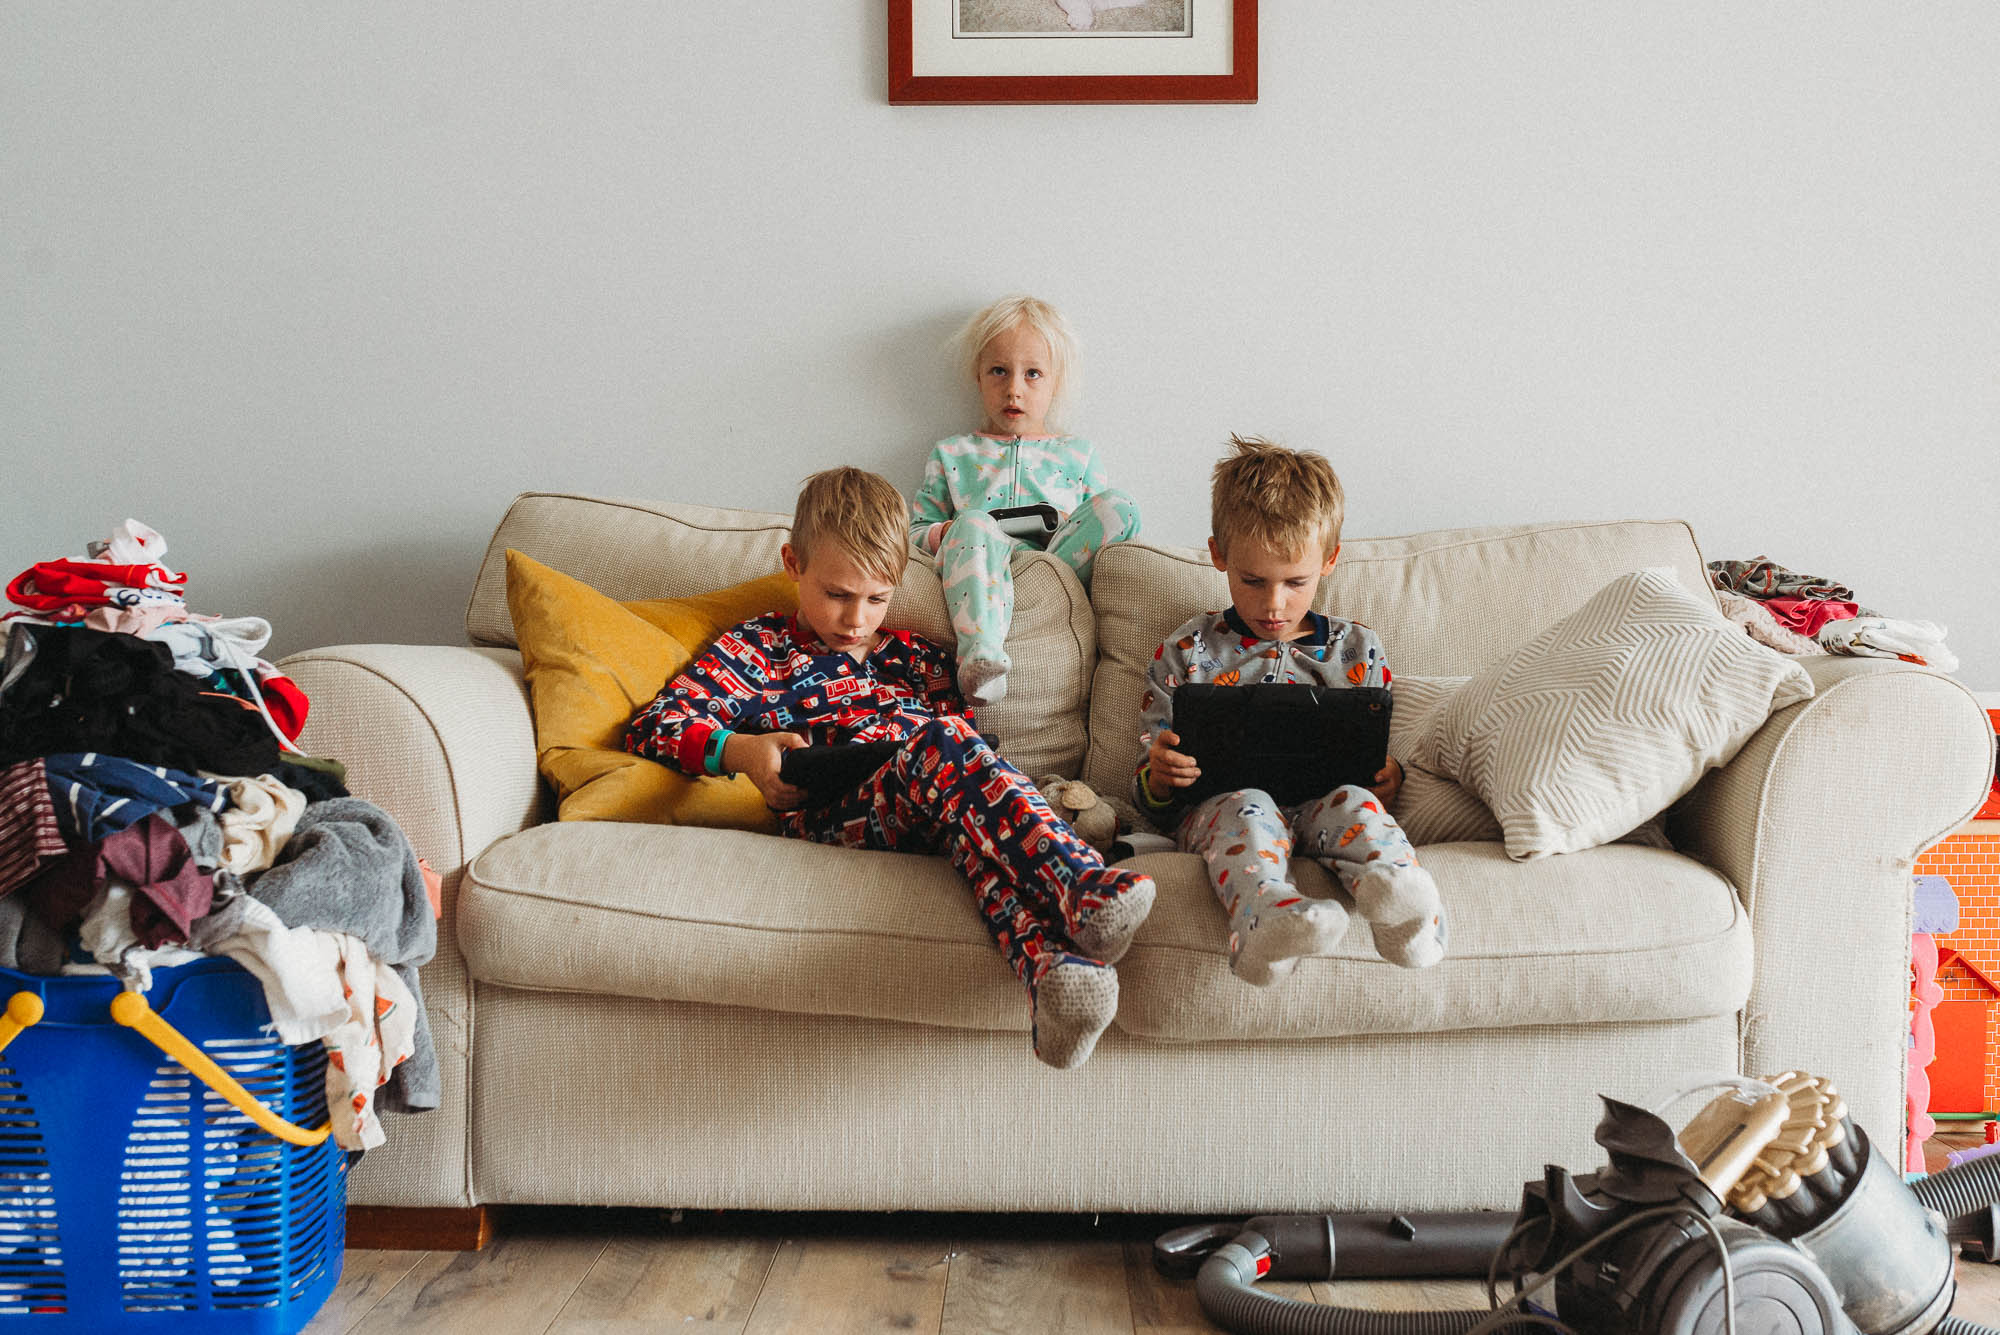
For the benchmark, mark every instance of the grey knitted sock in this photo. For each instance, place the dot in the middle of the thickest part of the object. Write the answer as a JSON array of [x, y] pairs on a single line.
[[983, 681], [1269, 944], [1400, 902], [1106, 932], [1074, 1003]]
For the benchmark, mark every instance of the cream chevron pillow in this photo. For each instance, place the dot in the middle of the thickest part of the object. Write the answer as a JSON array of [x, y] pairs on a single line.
[[1603, 719]]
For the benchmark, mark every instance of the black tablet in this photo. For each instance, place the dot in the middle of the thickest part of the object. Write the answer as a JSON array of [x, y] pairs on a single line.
[[1034, 524], [1294, 741], [828, 773]]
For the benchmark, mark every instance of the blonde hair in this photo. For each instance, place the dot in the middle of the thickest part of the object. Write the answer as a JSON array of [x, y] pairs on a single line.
[[1286, 499], [996, 319], [858, 512]]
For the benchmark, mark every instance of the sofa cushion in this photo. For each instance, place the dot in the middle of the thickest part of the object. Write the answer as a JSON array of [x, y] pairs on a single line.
[[1444, 604], [736, 919], [592, 663], [632, 550], [1599, 722], [1619, 933]]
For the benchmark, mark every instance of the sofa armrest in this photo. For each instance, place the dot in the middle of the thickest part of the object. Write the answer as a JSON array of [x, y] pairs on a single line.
[[439, 737], [1817, 822], [442, 739]]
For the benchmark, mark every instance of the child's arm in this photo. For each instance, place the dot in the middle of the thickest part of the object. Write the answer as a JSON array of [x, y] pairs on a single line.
[[690, 720], [937, 672], [931, 509], [1368, 665], [688, 728], [1161, 769]]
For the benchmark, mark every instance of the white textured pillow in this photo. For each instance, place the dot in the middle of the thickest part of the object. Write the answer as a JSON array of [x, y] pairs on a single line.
[[1603, 719], [1432, 809]]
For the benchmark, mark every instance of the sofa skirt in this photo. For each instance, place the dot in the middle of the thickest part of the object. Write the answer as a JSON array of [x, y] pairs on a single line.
[[606, 1100]]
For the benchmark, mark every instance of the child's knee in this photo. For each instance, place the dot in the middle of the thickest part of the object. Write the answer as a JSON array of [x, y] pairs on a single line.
[[1118, 513], [974, 527]]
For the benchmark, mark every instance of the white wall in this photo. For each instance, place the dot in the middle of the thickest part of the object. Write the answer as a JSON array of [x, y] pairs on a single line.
[[316, 289]]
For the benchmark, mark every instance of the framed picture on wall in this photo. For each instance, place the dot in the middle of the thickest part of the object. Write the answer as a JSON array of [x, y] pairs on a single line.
[[1072, 51]]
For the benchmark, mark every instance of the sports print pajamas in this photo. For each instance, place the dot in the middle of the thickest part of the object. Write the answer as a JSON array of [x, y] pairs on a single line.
[[1048, 898], [969, 475], [1246, 840]]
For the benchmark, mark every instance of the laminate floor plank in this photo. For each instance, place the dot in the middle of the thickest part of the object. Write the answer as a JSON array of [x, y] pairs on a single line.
[[820, 1285], [646, 1281], [1037, 1288], [365, 1276], [515, 1287]]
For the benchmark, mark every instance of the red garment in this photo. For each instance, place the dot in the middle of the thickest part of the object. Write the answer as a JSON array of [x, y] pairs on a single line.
[[169, 890], [29, 835], [49, 585], [1807, 615], [287, 703]]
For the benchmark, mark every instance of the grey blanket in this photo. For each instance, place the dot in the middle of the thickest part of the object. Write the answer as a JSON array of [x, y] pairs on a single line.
[[348, 868]]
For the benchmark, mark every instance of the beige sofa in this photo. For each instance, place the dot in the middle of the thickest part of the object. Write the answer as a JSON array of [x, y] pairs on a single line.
[[638, 1014]]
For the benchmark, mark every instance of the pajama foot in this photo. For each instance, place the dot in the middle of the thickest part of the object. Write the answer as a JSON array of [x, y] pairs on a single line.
[[1074, 1003], [1401, 903], [1106, 932], [1269, 951], [982, 681]]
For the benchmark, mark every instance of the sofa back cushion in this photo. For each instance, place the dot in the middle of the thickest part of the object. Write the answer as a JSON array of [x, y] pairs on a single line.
[[1444, 603], [632, 550]]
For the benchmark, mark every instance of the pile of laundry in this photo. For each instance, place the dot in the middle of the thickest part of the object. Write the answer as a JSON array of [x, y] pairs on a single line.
[[155, 808], [1805, 614]]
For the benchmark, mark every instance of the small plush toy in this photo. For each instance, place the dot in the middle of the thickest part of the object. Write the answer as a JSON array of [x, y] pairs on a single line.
[[1086, 813]]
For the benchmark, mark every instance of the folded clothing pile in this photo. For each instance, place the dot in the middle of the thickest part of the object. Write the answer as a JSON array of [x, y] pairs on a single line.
[[155, 808], [1805, 614]]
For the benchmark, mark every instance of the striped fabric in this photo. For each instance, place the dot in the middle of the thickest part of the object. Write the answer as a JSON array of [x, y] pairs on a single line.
[[29, 835]]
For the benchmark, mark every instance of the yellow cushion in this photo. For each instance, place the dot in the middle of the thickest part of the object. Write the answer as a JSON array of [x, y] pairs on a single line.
[[592, 663]]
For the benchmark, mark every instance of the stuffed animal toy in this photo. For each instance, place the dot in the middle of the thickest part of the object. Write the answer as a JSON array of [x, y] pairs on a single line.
[[1087, 813]]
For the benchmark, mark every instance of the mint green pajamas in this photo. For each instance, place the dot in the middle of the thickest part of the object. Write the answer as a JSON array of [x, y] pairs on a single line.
[[971, 474]]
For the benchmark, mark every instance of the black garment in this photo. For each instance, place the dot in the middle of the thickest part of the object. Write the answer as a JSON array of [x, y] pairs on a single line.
[[70, 688], [317, 777]]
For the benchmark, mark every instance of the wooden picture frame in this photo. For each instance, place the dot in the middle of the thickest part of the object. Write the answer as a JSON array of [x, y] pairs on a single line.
[[933, 64]]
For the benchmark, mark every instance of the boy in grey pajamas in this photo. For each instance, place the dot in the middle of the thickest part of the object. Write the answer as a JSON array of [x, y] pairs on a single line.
[[1275, 517]]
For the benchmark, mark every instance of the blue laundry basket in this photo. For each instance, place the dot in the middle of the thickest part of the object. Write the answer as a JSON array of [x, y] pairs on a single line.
[[133, 1194]]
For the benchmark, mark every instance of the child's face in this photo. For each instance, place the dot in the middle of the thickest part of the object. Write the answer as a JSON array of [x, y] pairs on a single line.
[[1272, 590], [839, 601], [1016, 382]]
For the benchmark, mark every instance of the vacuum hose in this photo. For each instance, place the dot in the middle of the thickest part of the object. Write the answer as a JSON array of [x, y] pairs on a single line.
[[1956, 1191], [1953, 1325], [1224, 1286]]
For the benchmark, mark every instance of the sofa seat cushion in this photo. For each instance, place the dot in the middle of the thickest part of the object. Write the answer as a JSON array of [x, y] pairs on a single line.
[[1613, 934], [731, 918], [734, 918]]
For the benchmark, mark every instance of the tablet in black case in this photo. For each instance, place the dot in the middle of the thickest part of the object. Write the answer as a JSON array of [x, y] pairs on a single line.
[[829, 773], [1294, 741]]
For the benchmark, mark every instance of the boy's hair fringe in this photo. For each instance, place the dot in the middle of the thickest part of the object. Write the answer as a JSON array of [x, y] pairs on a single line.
[[1044, 319], [858, 512], [1284, 498]]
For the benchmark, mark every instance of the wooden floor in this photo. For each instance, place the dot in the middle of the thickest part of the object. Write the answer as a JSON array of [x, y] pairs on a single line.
[[619, 1272]]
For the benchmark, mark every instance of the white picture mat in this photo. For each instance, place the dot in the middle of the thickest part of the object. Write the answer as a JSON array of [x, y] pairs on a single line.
[[934, 53]]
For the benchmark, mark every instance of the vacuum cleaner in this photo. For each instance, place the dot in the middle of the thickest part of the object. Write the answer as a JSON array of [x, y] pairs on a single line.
[[1768, 1213]]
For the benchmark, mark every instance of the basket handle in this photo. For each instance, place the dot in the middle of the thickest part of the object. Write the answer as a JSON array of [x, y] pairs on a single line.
[[23, 1010], [132, 1010]]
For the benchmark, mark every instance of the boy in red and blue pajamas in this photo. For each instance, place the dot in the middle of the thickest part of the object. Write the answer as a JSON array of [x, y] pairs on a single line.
[[1061, 917]]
